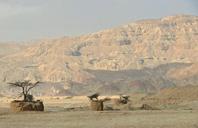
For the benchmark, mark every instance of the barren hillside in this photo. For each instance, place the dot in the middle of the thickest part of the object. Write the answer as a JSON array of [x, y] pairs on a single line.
[[141, 56]]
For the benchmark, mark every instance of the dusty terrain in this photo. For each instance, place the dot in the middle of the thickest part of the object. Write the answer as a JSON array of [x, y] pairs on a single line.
[[73, 112], [88, 119]]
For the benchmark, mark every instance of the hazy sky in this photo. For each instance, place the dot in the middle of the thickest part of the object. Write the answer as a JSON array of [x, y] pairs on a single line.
[[34, 19]]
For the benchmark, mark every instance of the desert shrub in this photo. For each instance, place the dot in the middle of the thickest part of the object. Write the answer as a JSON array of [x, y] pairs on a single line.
[[25, 86]]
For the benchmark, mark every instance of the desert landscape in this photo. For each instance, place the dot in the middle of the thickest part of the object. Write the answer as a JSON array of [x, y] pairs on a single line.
[[143, 74], [74, 112], [143, 56]]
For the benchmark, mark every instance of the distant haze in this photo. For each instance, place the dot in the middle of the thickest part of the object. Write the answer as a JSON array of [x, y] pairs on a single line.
[[22, 20]]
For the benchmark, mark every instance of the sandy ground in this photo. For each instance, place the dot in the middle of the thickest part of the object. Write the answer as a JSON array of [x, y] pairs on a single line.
[[110, 119], [56, 115]]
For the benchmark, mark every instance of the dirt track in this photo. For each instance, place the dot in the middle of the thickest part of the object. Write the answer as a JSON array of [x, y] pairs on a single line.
[[110, 119]]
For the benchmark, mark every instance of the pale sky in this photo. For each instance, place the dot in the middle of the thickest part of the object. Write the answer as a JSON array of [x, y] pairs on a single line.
[[22, 20]]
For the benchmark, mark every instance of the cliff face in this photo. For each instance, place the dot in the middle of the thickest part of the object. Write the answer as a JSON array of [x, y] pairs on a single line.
[[144, 55]]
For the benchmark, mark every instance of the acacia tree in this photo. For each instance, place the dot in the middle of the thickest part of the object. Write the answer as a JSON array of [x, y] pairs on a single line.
[[26, 86]]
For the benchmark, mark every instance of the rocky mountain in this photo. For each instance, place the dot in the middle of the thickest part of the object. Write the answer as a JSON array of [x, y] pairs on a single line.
[[142, 56]]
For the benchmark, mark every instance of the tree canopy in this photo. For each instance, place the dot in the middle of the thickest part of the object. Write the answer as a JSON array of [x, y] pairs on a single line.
[[26, 86]]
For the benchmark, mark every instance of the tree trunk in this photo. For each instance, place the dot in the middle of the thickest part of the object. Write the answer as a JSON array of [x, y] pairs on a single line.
[[24, 97]]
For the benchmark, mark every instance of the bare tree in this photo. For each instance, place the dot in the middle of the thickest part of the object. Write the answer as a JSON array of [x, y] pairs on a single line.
[[26, 86]]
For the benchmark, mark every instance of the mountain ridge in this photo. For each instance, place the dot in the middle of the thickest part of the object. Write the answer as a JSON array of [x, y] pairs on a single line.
[[135, 46]]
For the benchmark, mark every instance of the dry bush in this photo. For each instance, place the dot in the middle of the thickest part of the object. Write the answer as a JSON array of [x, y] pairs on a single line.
[[119, 101], [148, 107], [106, 99]]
